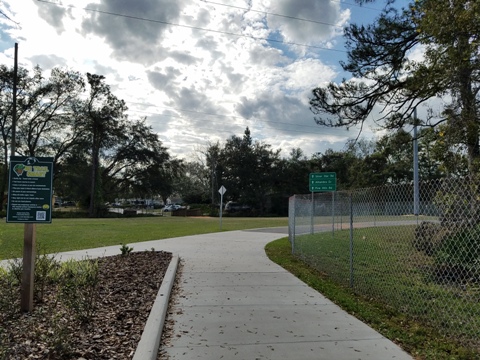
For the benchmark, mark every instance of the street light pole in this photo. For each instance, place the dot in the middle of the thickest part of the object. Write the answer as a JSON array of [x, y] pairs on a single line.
[[416, 194]]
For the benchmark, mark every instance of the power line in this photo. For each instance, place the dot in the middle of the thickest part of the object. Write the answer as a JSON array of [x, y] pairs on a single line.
[[291, 17], [273, 14], [296, 127], [226, 116], [356, 5], [191, 27]]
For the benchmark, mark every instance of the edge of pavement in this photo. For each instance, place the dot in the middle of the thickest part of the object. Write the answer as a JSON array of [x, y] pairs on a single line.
[[147, 348]]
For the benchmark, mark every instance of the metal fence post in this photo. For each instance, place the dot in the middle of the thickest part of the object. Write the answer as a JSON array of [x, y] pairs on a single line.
[[351, 241], [293, 215], [333, 213], [311, 215]]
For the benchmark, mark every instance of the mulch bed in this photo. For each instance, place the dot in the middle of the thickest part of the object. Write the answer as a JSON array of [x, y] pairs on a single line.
[[126, 291]]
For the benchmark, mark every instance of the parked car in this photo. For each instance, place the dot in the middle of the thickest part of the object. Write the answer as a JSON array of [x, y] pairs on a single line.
[[172, 207], [232, 206]]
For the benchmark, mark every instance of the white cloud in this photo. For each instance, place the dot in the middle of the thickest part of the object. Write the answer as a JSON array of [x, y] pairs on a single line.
[[325, 19], [198, 70]]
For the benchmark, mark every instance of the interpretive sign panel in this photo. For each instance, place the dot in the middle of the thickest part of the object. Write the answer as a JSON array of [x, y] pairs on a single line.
[[325, 181], [30, 189]]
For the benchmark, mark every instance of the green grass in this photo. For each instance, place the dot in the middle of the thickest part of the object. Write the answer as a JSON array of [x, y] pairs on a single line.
[[388, 268], [76, 234], [420, 338]]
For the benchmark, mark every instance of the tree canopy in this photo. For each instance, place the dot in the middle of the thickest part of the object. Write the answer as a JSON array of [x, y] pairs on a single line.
[[388, 81], [99, 153]]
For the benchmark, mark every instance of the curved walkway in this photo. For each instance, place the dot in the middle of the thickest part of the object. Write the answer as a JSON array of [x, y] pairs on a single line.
[[237, 304], [234, 303]]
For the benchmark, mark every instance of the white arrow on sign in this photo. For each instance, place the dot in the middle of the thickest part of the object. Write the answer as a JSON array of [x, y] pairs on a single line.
[[222, 190]]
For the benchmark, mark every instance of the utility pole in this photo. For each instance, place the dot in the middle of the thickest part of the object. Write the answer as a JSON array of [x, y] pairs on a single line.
[[416, 194], [14, 110], [29, 229]]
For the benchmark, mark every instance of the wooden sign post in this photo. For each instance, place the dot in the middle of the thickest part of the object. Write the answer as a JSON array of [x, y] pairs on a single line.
[[28, 276]]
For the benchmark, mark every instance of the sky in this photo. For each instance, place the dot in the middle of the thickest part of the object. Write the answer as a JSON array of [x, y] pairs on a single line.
[[200, 71]]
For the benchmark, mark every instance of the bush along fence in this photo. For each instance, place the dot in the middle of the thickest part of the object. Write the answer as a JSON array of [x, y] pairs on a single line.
[[427, 265]]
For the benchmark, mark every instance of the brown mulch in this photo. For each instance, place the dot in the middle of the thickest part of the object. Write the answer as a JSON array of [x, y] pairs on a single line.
[[126, 291]]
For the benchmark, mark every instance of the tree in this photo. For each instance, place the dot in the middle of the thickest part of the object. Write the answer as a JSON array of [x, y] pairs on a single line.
[[42, 112], [133, 154], [370, 172], [212, 156], [397, 150], [44, 116], [158, 179], [248, 169], [439, 155], [450, 31], [293, 173], [340, 162], [99, 120], [264, 174], [6, 113], [168, 177], [194, 187], [71, 181], [54, 120], [386, 80]]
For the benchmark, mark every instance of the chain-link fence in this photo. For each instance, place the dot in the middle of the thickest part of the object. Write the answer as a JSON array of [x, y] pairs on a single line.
[[426, 265]]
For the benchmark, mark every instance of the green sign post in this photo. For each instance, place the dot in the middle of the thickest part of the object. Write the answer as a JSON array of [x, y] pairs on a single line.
[[323, 182], [30, 190]]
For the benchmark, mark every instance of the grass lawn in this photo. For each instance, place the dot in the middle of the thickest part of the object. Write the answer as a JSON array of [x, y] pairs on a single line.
[[397, 281], [76, 234]]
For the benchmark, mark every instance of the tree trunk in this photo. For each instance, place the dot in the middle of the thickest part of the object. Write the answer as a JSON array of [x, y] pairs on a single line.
[[468, 110], [94, 175]]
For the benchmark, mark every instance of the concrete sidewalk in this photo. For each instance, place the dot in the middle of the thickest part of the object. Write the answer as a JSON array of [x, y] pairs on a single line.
[[234, 303]]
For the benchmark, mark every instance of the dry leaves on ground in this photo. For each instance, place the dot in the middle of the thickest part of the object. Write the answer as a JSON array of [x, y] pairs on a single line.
[[126, 291]]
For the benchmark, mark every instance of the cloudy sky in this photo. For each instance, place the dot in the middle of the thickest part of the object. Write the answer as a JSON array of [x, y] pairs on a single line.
[[200, 71]]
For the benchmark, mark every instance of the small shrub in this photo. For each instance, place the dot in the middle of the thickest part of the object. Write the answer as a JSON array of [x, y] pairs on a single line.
[[9, 307], [9, 295], [429, 236], [15, 267], [458, 257], [45, 266], [78, 287], [58, 339], [214, 212], [69, 214], [125, 250], [459, 205], [129, 212]]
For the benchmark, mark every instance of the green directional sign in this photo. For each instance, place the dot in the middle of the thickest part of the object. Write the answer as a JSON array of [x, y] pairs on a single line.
[[30, 189], [324, 181]]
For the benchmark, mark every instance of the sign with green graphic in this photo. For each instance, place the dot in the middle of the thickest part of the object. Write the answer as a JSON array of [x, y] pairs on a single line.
[[324, 181], [30, 189]]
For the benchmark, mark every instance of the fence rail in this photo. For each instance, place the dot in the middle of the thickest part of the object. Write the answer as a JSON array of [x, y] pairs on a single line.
[[426, 265]]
